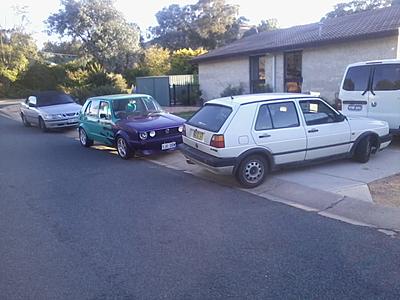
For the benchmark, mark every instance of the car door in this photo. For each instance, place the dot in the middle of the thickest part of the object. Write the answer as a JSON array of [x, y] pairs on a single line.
[[105, 132], [355, 93], [384, 101], [31, 111], [328, 132], [91, 119], [277, 128]]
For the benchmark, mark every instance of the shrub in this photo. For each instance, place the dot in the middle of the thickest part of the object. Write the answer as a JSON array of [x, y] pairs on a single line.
[[83, 93], [233, 90], [42, 77]]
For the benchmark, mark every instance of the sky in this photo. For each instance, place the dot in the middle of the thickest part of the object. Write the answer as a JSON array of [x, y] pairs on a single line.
[[287, 12]]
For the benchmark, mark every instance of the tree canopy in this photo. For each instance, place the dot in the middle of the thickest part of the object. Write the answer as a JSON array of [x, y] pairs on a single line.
[[265, 25], [17, 50], [207, 23], [348, 8], [101, 29]]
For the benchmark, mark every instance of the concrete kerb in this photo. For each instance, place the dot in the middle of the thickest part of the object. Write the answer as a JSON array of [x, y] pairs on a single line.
[[327, 204]]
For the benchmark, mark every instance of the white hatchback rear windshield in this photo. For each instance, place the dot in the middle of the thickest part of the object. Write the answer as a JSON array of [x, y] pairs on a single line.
[[211, 117]]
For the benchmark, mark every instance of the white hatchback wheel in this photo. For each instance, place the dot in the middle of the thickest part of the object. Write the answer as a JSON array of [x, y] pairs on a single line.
[[252, 171]]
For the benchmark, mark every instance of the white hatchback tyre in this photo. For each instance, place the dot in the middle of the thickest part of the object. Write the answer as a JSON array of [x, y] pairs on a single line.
[[252, 171]]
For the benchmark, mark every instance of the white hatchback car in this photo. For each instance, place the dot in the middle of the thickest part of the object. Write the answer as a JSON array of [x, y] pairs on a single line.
[[250, 135]]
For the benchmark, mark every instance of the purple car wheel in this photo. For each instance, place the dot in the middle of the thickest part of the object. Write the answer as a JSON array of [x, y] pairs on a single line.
[[123, 149]]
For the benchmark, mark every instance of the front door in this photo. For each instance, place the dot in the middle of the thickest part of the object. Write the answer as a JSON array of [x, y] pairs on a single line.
[[277, 129], [293, 71], [355, 91], [328, 133], [105, 132], [384, 99]]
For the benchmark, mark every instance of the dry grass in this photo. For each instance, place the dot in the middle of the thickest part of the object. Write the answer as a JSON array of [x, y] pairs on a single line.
[[386, 191]]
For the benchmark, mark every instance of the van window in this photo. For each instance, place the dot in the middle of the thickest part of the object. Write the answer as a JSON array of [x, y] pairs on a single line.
[[357, 78], [211, 117], [386, 78]]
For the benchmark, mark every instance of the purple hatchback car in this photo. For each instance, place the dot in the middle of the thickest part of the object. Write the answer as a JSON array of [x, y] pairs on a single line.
[[130, 123]]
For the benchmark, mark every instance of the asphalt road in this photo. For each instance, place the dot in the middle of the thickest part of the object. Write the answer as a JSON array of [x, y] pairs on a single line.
[[81, 223]]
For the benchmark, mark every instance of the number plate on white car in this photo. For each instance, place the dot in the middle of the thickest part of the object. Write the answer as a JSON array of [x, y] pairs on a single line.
[[168, 146]]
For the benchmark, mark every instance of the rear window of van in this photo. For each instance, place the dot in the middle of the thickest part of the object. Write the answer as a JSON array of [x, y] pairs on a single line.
[[357, 78], [211, 117]]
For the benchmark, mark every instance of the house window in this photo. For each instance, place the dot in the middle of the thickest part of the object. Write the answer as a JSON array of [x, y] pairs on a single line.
[[293, 74], [257, 74]]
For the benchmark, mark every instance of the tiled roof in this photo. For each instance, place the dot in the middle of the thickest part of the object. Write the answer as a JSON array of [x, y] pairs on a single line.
[[374, 23]]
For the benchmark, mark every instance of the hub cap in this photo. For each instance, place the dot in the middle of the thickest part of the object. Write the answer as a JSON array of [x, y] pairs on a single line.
[[253, 171], [122, 148]]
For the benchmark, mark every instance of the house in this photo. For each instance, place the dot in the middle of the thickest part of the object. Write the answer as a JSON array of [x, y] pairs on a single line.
[[303, 58]]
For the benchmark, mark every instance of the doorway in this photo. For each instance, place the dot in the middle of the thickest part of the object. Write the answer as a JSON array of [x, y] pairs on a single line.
[[293, 72]]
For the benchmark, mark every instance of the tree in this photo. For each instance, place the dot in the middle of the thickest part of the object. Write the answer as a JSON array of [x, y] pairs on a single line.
[[180, 61], [17, 50], [265, 25], [216, 22], [208, 24], [61, 52], [174, 27], [348, 8], [102, 30], [156, 61]]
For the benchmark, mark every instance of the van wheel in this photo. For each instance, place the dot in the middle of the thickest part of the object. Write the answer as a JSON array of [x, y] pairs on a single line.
[[124, 151], [24, 121], [363, 150], [252, 171], [83, 138], [42, 125]]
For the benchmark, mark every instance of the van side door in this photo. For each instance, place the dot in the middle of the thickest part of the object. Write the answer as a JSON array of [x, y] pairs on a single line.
[[354, 91], [384, 101], [277, 128]]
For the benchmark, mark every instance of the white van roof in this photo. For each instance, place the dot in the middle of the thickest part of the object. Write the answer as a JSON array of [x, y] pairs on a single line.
[[375, 62]]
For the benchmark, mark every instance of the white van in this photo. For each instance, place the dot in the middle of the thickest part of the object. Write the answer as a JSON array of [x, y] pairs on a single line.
[[372, 89]]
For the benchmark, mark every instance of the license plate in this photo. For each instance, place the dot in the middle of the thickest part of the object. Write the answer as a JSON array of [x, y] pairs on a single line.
[[355, 107], [168, 146], [73, 120], [198, 135]]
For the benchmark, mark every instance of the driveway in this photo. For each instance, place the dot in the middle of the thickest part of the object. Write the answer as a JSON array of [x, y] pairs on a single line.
[[79, 223]]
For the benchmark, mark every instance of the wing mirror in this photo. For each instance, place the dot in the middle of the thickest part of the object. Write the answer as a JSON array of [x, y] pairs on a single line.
[[103, 116], [32, 101]]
